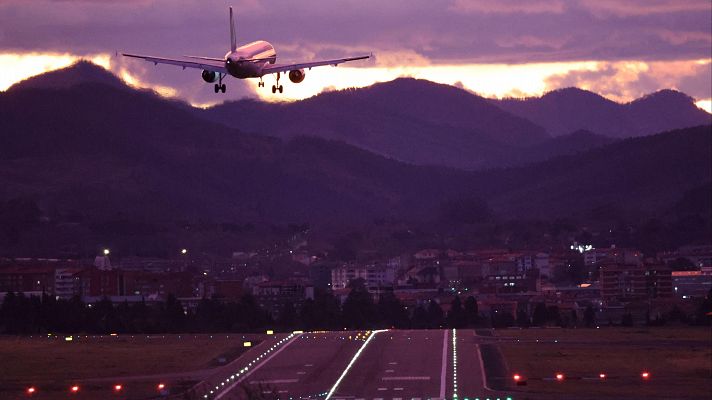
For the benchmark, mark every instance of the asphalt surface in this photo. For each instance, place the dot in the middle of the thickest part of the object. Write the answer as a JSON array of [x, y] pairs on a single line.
[[391, 365]]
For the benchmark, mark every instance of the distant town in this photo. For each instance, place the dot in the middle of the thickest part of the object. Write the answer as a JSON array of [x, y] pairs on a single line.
[[292, 286]]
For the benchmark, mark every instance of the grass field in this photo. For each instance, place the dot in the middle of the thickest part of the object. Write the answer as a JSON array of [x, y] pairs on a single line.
[[138, 363], [679, 361]]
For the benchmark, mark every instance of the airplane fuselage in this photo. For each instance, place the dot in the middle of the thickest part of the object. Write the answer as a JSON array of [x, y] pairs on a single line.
[[247, 61]]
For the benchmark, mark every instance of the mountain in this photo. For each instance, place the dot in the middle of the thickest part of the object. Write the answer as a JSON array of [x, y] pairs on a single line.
[[414, 121], [635, 176], [80, 72], [567, 110], [99, 151], [569, 144]]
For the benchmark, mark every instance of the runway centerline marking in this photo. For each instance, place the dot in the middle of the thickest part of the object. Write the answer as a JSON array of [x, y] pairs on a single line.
[[443, 371], [274, 381], [405, 378]]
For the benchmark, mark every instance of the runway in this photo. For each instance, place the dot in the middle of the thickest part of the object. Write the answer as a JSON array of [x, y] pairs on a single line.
[[361, 365]]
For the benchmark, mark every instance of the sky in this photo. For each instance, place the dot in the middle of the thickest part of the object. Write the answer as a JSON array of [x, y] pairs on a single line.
[[496, 48]]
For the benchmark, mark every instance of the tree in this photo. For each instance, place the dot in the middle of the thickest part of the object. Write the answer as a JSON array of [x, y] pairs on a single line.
[[391, 312], [522, 318], [472, 311], [589, 316], [540, 315], [434, 315], [456, 317], [358, 311]]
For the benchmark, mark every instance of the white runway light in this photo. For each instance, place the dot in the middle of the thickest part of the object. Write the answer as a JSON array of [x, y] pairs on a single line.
[[351, 363], [454, 364]]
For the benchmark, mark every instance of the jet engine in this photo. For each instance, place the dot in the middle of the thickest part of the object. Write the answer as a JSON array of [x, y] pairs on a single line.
[[297, 75], [209, 76]]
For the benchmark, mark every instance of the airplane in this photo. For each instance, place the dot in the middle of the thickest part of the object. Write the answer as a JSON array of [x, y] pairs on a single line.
[[253, 60]]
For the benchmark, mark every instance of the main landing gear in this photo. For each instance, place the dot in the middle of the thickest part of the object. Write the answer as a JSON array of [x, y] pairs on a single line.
[[220, 87], [277, 87]]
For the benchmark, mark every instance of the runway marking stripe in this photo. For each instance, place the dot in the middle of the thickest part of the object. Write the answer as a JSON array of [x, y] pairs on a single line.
[[390, 370], [405, 378], [274, 381], [382, 389]]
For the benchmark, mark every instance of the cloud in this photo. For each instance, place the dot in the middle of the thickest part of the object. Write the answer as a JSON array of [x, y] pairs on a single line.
[[508, 6], [605, 8], [627, 80]]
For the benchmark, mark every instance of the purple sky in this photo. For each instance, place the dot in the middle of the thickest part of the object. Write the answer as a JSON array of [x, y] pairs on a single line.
[[402, 33]]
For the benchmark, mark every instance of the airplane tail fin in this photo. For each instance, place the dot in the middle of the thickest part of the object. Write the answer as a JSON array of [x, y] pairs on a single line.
[[233, 39]]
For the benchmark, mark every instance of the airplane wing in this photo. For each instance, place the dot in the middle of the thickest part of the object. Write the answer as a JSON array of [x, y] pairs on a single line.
[[273, 69], [207, 64]]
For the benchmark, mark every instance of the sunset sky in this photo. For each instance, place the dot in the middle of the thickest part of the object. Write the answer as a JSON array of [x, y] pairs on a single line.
[[621, 49]]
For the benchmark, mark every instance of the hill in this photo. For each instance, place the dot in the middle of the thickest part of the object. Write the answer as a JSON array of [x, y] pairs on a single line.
[[567, 110], [99, 151], [414, 121]]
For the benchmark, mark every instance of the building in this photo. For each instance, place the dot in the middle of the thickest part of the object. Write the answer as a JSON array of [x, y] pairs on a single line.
[[375, 275], [274, 296], [511, 283], [612, 255], [691, 284], [67, 282], [625, 282], [28, 280]]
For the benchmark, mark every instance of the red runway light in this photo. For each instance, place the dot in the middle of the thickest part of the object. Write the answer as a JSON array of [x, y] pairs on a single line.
[[559, 377], [645, 375], [117, 388], [602, 375], [31, 390], [74, 389], [517, 377], [161, 386]]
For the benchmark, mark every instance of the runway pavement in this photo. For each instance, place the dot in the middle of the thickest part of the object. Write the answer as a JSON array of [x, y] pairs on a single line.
[[385, 365]]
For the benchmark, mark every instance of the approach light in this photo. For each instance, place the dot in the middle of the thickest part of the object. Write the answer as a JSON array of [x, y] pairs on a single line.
[[117, 388], [645, 375], [559, 376], [31, 390], [161, 386], [74, 389], [602, 375]]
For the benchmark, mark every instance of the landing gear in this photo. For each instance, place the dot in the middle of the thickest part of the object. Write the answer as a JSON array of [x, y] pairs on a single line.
[[277, 87], [220, 87], [260, 83]]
